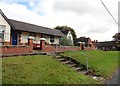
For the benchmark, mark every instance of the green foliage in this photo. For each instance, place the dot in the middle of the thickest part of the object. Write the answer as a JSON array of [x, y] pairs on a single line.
[[40, 69], [116, 36], [103, 62], [67, 28], [65, 42], [1, 71]]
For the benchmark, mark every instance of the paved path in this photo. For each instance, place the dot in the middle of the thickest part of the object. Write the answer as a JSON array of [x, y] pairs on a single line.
[[115, 78]]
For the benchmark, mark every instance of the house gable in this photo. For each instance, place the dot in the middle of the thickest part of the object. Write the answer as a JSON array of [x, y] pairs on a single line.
[[5, 27], [68, 34]]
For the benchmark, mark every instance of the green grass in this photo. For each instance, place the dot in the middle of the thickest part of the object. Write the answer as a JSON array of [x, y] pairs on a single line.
[[40, 69], [103, 62], [0, 71]]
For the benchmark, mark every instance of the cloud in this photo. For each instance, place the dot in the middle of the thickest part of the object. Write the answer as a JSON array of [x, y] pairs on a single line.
[[31, 3], [87, 17], [78, 6]]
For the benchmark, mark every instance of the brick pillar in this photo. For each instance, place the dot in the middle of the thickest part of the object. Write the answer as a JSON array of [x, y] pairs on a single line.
[[82, 45], [19, 38], [30, 41], [42, 43]]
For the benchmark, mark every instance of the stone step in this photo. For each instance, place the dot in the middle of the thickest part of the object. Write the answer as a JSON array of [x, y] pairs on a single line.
[[58, 56], [83, 72], [66, 62], [71, 65], [77, 68], [61, 59]]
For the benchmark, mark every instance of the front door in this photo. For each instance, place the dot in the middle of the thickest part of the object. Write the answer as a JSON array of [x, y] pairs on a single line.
[[14, 39], [82, 46]]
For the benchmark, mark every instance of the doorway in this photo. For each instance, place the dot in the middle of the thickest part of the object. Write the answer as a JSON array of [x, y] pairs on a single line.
[[14, 39]]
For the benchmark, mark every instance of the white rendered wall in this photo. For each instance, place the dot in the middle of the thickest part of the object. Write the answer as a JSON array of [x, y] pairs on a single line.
[[7, 29], [70, 35], [24, 37]]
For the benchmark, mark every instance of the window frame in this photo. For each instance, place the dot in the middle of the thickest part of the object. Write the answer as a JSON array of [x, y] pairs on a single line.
[[52, 39]]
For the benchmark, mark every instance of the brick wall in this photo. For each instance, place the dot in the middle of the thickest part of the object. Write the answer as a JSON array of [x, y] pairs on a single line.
[[15, 49], [92, 47], [60, 48]]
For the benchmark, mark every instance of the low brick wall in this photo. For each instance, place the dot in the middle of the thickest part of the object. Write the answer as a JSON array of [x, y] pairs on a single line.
[[60, 48], [90, 48], [15, 49]]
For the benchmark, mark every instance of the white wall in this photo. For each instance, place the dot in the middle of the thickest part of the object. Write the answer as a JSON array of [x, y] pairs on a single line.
[[7, 29], [24, 37], [38, 38], [56, 39], [47, 39], [70, 35]]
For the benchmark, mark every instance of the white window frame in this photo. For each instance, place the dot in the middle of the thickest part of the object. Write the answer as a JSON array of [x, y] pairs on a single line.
[[2, 32]]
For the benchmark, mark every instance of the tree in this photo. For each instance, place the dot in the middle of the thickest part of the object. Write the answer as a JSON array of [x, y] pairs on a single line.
[[68, 28], [64, 41], [116, 38]]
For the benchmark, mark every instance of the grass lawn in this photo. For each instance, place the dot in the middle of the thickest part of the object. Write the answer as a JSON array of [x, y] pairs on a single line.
[[0, 71], [40, 69], [103, 62]]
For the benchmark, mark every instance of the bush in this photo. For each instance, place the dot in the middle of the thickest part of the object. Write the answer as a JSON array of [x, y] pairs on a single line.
[[65, 42]]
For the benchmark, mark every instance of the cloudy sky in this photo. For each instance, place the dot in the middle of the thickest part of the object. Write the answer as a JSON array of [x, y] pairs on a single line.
[[87, 17]]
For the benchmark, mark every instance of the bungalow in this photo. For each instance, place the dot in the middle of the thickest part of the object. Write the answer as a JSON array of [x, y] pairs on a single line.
[[107, 45], [14, 32], [87, 43]]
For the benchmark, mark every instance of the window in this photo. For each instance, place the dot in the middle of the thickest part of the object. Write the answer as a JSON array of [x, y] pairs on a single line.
[[69, 37], [2, 35], [89, 45], [51, 39], [2, 29], [69, 33]]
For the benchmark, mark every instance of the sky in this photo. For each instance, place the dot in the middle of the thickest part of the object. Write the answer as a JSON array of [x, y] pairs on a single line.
[[88, 18]]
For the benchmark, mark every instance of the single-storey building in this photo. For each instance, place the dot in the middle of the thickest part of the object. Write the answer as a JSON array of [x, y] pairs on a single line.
[[14, 32], [87, 43], [107, 45]]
